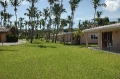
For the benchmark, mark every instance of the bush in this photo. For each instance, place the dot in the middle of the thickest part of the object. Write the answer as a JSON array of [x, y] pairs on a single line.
[[12, 38]]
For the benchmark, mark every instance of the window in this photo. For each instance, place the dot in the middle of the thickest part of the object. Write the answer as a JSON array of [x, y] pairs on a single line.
[[94, 37]]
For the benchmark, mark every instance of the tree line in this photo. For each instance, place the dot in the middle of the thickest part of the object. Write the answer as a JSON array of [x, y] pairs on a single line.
[[40, 22]]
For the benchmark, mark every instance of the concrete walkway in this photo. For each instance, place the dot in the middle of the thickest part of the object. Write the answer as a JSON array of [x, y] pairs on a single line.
[[105, 50], [13, 43]]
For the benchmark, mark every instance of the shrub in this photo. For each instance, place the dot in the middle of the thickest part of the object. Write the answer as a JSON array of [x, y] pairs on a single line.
[[12, 38]]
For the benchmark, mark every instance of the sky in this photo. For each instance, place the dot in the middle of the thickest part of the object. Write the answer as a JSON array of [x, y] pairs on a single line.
[[84, 11]]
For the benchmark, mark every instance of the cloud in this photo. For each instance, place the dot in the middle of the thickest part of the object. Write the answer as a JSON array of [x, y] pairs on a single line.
[[77, 19], [25, 3], [112, 5]]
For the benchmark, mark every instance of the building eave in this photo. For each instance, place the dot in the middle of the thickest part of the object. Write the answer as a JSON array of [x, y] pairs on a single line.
[[104, 28]]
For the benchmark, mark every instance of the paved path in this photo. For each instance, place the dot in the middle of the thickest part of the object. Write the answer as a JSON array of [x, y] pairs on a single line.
[[13, 43]]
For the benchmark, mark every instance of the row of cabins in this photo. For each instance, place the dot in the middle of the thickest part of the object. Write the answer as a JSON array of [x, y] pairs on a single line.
[[67, 37], [107, 36]]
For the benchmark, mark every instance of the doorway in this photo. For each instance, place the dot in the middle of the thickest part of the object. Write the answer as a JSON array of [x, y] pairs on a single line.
[[106, 39]]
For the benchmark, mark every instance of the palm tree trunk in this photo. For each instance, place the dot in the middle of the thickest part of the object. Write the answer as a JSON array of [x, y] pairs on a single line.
[[72, 25], [56, 37], [1, 21], [29, 28], [50, 22], [94, 17], [54, 34], [32, 29], [16, 23], [72, 20], [4, 17]]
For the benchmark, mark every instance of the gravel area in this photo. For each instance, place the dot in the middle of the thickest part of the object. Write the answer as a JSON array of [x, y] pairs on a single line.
[[13, 43]]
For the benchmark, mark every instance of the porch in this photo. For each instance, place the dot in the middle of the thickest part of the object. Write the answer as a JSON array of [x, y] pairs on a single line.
[[108, 37]]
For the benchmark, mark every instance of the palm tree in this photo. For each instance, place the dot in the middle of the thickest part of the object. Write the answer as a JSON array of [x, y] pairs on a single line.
[[96, 4], [32, 16], [9, 17], [42, 22], [77, 34], [16, 3], [79, 24], [38, 14], [21, 23], [46, 15], [106, 20], [74, 5], [29, 14], [26, 23], [63, 24], [86, 24], [50, 15], [4, 4], [1, 14], [69, 19], [54, 26], [99, 13], [57, 10], [11, 23], [118, 19]]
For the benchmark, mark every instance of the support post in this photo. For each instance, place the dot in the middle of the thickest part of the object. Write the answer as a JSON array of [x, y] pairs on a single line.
[[86, 39], [100, 40]]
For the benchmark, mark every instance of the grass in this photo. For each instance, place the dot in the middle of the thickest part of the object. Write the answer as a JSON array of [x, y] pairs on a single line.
[[42, 60]]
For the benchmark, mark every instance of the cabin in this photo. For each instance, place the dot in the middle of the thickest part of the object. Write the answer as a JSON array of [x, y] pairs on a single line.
[[108, 36], [3, 32]]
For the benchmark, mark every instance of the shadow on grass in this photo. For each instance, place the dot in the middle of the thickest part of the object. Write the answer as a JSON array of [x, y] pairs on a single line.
[[37, 43], [43, 46], [80, 45], [8, 50]]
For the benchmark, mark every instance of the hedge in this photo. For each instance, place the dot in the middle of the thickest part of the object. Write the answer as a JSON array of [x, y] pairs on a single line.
[[12, 38]]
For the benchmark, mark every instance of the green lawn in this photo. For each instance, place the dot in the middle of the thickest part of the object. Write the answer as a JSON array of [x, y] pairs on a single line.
[[57, 61]]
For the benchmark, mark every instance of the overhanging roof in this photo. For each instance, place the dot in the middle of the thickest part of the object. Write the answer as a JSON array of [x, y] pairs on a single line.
[[104, 28], [4, 29]]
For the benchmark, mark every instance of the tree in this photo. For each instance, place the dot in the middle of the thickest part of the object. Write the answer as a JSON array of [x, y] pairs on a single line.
[[57, 10], [99, 13], [86, 24], [106, 20], [21, 23], [46, 15], [42, 22], [79, 25], [118, 19], [2, 15], [69, 19], [63, 24], [15, 4], [26, 30], [32, 16], [96, 4], [9, 17], [77, 34], [50, 15], [74, 5], [4, 4], [54, 26]]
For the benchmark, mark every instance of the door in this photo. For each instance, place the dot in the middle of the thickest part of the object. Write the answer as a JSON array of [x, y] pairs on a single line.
[[106, 39]]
